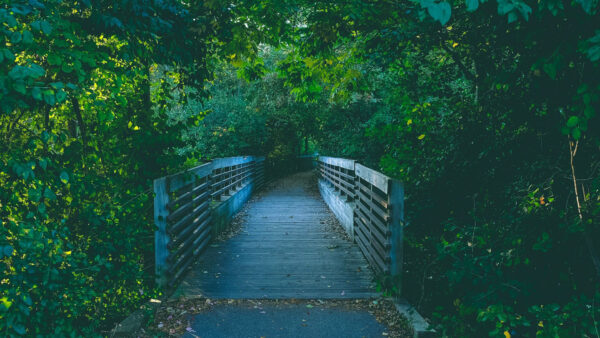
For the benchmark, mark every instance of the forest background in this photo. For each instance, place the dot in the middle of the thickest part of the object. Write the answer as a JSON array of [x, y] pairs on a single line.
[[486, 110]]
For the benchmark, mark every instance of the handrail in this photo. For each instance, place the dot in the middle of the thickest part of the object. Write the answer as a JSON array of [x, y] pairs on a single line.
[[377, 206], [184, 205]]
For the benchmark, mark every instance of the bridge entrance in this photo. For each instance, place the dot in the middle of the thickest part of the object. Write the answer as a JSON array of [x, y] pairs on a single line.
[[289, 246]]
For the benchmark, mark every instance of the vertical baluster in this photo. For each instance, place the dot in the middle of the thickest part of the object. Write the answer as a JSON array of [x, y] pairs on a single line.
[[161, 199]]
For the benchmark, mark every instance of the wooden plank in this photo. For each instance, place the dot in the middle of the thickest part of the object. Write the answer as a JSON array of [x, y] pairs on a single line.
[[375, 208], [284, 233], [231, 161], [186, 252], [377, 179], [178, 180], [374, 221], [396, 200], [382, 200], [199, 211], [338, 162], [374, 232], [199, 224], [161, 237], [180, 211]]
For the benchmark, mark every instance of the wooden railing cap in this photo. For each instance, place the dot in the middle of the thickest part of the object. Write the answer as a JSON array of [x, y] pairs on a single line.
[[339, 162]]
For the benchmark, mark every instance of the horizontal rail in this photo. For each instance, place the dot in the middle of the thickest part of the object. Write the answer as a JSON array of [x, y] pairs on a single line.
[[378, 205], [184, 207], [339, 173]]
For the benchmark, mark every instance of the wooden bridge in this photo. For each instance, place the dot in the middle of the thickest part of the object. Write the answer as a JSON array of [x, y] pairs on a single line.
[[289, 244]]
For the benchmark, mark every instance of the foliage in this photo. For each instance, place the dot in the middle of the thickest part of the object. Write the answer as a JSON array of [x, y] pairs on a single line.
[[488, 112], [250, 116], [83, 134]]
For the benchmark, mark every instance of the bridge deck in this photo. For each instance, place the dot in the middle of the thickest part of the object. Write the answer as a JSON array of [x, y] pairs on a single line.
[[286, 249]]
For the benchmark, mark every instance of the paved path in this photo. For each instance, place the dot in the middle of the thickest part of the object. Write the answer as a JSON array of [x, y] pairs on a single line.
[[286, 249], [284, 321]]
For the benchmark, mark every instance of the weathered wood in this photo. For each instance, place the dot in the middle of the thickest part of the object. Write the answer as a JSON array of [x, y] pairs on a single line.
[[335, 175], [201, 210], [231, 161], [177, 181], [377, 179], [378, 203], [183, 212], [285, 249], [161, 238], [396, 201], [338, 162]]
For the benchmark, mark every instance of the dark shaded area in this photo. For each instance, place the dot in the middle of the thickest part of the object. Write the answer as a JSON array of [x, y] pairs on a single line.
[[290, 320]]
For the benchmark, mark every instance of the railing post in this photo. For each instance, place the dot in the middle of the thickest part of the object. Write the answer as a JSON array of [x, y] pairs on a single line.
[[161, 238], [396, 203]]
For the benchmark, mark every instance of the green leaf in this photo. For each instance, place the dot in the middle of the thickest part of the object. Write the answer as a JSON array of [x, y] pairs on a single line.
[[27, 37], [46, 27], [15, 37], [43, 163], [5, 303], [67, 68], [593, 47], [440, 11], [589, 112], [11, 21], [35, 71], [587, 5], [64, 177], [8, 55], [573, 121], [49, 194], [45, 136], [36, 92], [7, 250], [19, 87], [49, 97], [17, 72], [576, 134], [61, 95], [54, 60], [36, 25], [472, 5], [34, 195], [550, 69]]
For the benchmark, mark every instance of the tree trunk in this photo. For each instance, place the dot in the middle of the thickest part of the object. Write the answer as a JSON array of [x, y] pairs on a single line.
[[573, 146], [80, 122]]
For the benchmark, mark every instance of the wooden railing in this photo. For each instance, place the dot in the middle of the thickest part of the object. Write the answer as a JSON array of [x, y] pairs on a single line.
[[184, 207], [377, 205], [339, 172]]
